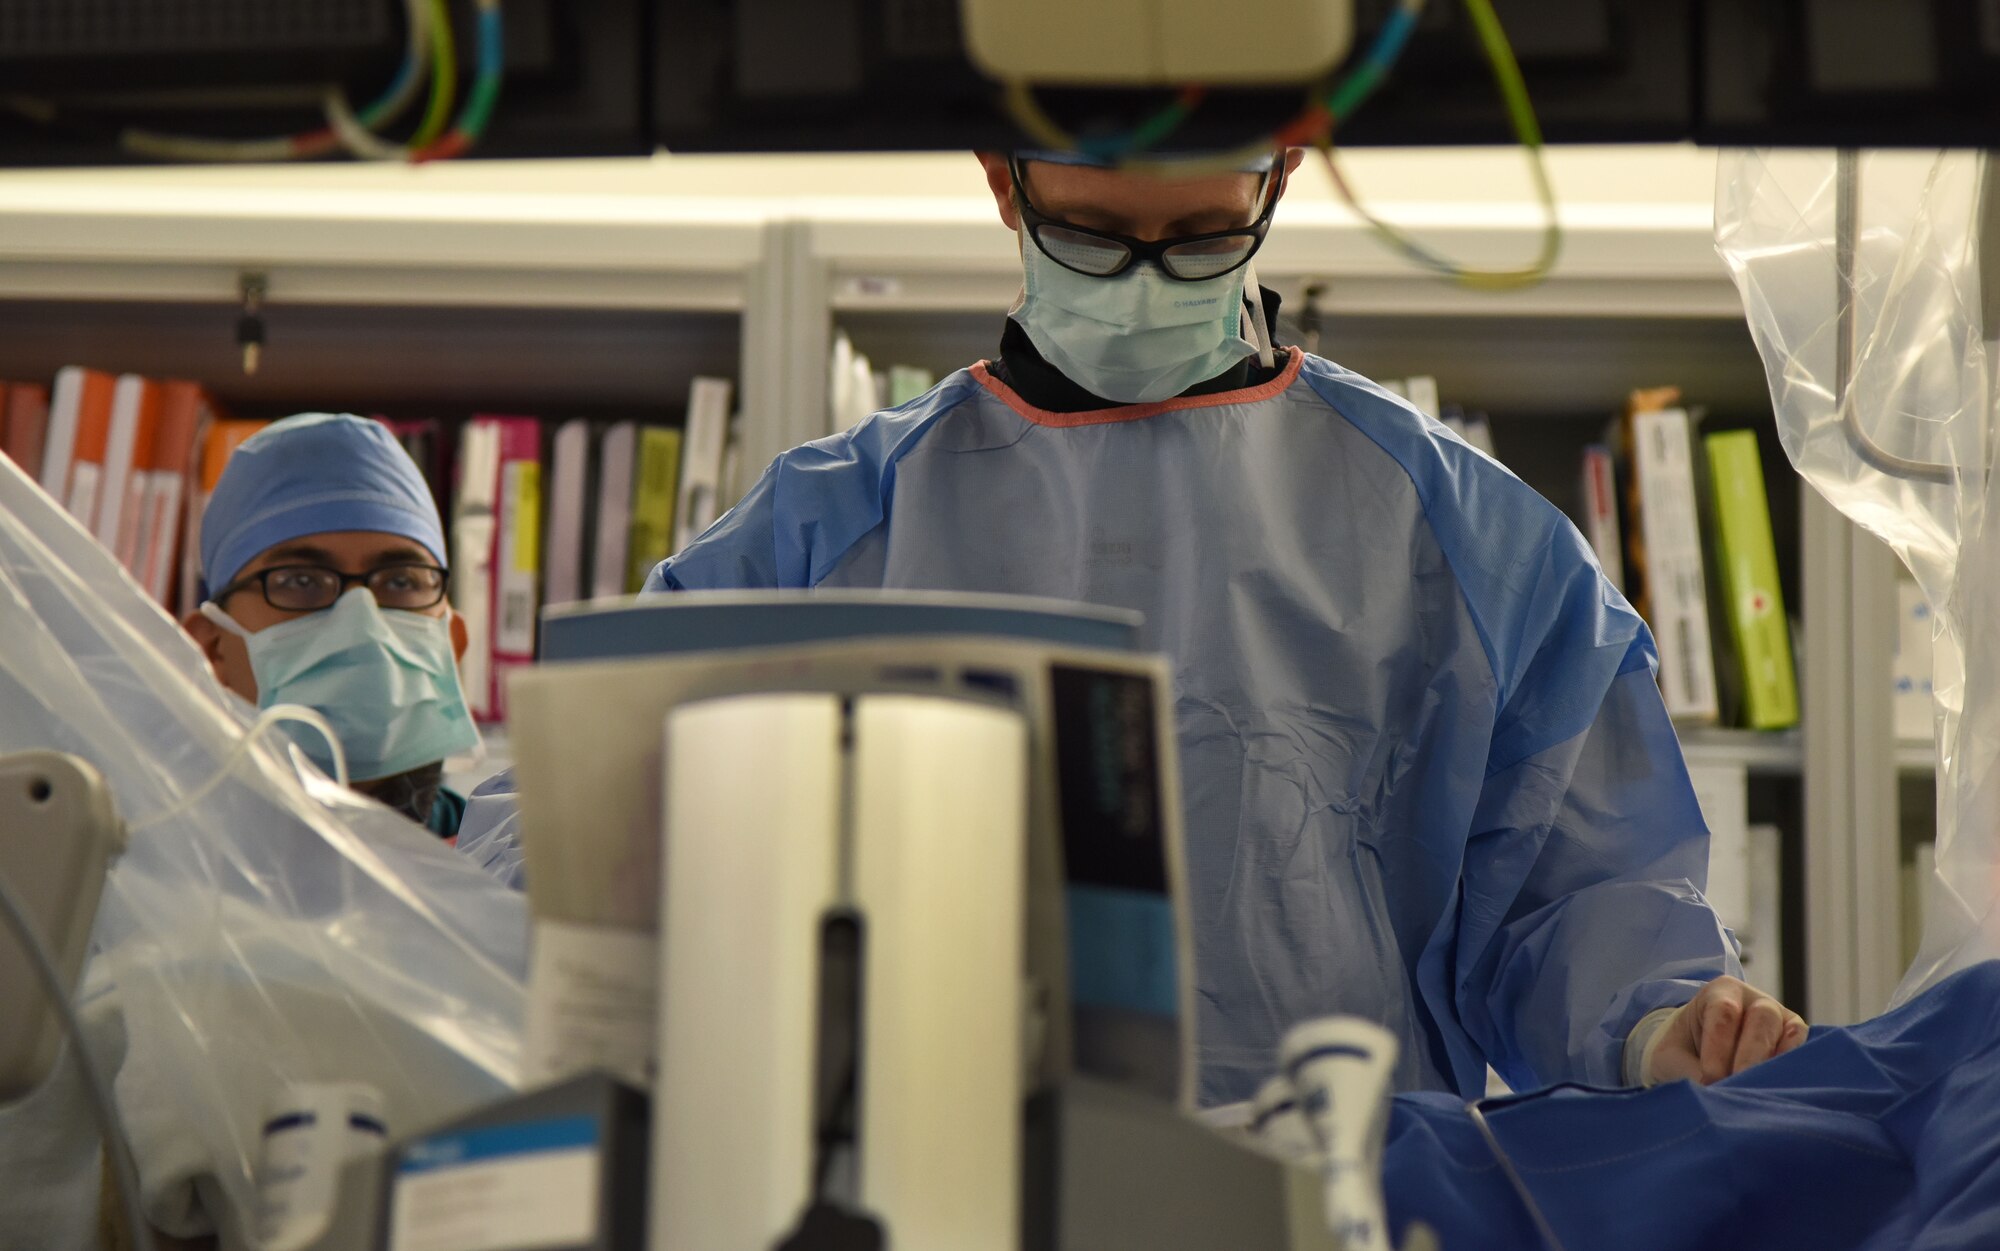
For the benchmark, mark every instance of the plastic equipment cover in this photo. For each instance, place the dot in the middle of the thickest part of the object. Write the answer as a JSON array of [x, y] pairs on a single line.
[[266, 926], [1887, 412]]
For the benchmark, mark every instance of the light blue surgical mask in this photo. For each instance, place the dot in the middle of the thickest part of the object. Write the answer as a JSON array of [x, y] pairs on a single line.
[[1136, 338], [386, 681]]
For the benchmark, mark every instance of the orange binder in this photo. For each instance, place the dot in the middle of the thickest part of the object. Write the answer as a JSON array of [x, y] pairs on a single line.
[[184, 410], [93, 439], [27, 425]]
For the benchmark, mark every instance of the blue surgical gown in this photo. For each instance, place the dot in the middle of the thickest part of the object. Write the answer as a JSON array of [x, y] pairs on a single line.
[[1427, 774], [1883, 1136], [489, 834]]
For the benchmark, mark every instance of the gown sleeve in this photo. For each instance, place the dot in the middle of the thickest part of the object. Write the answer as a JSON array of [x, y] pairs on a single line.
[[1582, 908]]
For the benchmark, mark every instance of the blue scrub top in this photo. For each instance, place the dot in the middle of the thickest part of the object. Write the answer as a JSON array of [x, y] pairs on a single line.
[[447, 812]]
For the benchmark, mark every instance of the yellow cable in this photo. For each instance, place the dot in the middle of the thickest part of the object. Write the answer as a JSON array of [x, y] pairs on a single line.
[[1029, 116], [444, 79], [1506, 71], [1521, 113]]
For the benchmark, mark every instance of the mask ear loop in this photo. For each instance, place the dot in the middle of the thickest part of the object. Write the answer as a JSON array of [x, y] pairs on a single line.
[[277, 714], [1253, 291], [1260, 334], [216, 613]]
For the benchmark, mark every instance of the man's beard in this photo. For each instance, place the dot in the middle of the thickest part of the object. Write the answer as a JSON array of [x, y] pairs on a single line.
[[413, 793]]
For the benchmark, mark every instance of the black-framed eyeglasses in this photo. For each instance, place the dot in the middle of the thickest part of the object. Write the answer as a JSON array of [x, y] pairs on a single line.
[[1102, 254], [311, 588]]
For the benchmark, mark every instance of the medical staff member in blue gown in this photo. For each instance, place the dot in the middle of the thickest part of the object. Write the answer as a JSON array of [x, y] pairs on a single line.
[[1428, 777], [324, 582]]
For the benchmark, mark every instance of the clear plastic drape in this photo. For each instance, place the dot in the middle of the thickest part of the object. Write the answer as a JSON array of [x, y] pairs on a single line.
[[265, 927], [1860, 274]]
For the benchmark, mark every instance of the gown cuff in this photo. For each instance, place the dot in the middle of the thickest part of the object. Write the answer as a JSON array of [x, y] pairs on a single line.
[[1641, 1043]]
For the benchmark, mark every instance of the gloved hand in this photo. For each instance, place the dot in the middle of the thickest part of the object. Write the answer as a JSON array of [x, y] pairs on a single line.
[[1725, 1029]]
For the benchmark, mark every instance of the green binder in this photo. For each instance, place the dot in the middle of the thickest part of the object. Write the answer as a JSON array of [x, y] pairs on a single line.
[[1754, 602], [654, 488]]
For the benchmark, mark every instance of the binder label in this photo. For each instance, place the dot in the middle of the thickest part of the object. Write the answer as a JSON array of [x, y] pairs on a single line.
[[520, 557]]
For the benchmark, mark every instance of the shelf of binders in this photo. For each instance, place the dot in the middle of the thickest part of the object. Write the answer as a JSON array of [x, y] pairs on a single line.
[[428, 300], [568, 505]]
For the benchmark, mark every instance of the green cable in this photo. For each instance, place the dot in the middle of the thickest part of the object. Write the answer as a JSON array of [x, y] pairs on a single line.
[[1161, 125], [376, 115], [444, 79], [1348, 95], [1358, 87], [479, 109]]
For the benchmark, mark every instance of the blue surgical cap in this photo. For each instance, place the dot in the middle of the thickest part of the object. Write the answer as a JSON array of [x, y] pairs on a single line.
[[316, 473]]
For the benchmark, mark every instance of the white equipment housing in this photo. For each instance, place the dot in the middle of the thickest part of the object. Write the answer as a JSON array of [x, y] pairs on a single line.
[[910, 812], [1139, 43]]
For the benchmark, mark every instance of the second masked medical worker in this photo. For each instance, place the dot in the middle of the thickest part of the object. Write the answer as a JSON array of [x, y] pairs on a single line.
[[324, 574]]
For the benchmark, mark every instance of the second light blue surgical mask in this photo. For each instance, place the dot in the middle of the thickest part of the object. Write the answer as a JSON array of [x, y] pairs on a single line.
[[1137, 338], [386, 681]]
